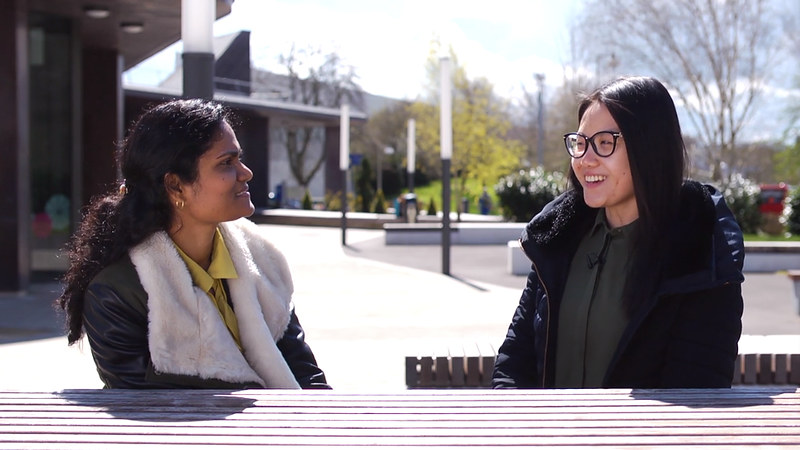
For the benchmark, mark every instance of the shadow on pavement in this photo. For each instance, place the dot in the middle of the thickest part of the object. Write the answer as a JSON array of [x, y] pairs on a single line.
[[30, 315]]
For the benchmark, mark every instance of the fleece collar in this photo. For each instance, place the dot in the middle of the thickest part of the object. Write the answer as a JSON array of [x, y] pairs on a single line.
[[693, 244], [187, 334]]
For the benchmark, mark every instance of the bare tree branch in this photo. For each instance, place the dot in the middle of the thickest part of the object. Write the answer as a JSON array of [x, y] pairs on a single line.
[[714, 55], [311, 82]]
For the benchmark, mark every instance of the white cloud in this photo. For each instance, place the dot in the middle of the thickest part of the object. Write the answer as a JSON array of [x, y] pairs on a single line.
[[388, 42]]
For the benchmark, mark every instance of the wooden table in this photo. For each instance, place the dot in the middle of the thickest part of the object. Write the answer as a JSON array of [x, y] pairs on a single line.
[[88, 419]]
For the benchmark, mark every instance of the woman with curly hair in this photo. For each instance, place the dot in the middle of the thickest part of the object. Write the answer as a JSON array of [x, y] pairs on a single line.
[[171, 283]]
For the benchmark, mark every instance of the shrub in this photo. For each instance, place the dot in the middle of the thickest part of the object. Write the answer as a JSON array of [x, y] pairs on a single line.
[[333, 201], [307, 203], [380, 203], [793, 215], [363, 186], [523, 194], [742, 196], [432, 208]]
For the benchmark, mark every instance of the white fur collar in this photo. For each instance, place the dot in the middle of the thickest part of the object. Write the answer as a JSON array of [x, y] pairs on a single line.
[[187, 334]]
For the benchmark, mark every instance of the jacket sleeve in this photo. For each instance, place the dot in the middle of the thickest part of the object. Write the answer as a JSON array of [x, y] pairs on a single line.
[[704, 340], [516, 364], [117, 333], [299, 357]]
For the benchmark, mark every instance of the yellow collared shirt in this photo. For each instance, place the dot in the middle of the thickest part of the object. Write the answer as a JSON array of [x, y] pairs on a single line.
[[210, 281]]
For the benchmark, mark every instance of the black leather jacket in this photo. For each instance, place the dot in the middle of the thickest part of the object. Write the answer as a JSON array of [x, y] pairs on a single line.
[[685, 335], [115, 319]]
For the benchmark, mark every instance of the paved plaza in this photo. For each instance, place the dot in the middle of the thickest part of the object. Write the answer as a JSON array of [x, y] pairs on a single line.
[[364, 307]]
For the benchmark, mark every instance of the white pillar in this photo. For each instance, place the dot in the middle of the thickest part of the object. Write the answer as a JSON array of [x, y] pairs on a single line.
[[197, 23]]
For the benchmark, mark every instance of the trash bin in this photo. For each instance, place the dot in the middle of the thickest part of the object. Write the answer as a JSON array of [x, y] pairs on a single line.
[[410, 208]]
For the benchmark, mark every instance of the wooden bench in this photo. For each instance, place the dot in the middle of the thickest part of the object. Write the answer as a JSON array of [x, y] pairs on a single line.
[[767, 368], [770, 359], [455, 366], [762, 360]]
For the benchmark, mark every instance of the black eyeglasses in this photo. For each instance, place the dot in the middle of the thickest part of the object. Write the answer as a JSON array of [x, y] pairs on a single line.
[[603, 142]]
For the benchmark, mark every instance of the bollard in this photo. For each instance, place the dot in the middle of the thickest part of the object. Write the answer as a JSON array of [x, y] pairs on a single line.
[[795, 277], [410, 208]]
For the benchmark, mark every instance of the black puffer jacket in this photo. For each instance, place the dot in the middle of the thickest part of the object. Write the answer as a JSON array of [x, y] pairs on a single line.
[[686, 335]]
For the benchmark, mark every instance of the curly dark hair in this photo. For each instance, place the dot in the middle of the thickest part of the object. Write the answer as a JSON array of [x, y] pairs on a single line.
[[168, 138]]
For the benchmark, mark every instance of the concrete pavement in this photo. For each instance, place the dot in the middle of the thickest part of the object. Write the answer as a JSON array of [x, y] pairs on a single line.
[[364, 308]]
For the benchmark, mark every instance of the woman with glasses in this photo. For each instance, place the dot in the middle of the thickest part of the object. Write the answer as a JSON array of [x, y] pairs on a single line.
[[636, 272]]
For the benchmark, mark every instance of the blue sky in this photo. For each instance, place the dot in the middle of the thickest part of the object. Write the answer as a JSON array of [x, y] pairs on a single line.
[[387, 42]]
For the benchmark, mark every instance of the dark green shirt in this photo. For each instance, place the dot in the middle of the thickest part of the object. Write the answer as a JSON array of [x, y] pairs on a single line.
[[591, 317]]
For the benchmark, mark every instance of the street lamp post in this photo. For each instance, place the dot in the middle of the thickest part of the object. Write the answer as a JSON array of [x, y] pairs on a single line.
[[540, 121], [344, 162], [411, 145], [386, 151], [446, 144]]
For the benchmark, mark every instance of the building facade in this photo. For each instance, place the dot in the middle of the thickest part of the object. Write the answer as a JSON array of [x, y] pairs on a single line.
[[62, 107]]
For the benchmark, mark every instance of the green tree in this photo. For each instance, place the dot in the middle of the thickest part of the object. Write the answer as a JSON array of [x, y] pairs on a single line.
[[787, 164], [387, 127], [482, 148]]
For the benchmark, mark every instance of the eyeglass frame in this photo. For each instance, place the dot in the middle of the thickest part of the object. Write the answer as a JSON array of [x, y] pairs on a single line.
[[615, 134]]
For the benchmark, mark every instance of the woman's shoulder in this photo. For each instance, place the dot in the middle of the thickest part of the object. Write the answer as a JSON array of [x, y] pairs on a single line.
[[706, 226], [119, 271], [559, 219], [120, 277]]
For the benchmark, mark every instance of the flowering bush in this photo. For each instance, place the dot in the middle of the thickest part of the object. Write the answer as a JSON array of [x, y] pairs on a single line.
[[793, 211], [523, 194], [742, 196]]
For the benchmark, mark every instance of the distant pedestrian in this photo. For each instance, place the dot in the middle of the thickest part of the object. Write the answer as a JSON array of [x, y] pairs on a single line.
[[173, 286], [636, 273], [485, 202]]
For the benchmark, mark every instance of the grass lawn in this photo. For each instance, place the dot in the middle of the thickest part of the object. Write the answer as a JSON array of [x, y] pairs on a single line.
[[767, 237], [474, 191]]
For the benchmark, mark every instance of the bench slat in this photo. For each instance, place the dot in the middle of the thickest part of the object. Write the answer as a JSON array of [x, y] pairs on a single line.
[[471, 365]]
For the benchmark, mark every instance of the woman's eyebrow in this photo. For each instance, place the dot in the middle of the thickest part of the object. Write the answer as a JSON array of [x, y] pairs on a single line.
[[231, 152]]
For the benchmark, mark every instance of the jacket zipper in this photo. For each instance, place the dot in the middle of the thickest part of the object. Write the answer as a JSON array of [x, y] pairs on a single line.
[[549, 313]]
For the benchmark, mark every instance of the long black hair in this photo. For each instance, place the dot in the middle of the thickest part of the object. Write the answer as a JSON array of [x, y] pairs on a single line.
[[168, 138], [648, 121]]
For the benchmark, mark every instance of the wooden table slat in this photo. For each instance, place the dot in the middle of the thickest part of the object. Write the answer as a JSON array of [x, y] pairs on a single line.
[[365, 429], [325, 422], [748, 417], [350, 440]]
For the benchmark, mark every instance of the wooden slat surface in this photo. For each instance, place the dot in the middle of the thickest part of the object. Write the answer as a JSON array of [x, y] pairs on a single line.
[[114, 419]]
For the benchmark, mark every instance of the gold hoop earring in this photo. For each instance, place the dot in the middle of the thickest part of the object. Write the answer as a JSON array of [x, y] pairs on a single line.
[[180, 204]]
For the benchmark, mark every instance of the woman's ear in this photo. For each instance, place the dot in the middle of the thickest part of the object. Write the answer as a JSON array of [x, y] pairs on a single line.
[[172, 183]]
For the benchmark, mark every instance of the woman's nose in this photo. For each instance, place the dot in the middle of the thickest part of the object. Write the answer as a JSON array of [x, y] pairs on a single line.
[[245, 173], [589, 158]]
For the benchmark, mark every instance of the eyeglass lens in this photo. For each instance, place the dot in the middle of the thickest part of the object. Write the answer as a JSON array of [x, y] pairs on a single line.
[[603, 143]]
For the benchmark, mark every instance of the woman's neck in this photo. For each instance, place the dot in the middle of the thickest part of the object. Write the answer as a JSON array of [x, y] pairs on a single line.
[[196, 243]]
